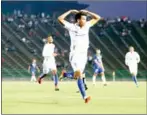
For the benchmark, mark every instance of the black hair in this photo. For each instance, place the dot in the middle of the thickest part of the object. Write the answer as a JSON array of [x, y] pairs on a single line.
[[78, 15]]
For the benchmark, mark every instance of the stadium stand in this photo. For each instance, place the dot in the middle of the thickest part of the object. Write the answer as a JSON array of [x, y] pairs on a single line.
[[23, 37]]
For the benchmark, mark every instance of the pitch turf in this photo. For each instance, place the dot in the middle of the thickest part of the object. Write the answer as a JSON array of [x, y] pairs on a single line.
[[116, 98]]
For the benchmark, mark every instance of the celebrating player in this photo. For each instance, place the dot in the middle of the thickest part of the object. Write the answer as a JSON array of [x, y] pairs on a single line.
[[32, 68], [79, 35], [49, 62], [98, 67], [132, 59]]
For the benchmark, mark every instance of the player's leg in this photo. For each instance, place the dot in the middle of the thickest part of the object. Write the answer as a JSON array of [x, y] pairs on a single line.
[[83, 64], [103, 78], [94, 76], [79, 62], [54, 73], [45, 71], [55, 77], [33, 76], [84, 81], [81, 86], [102, 74], [41, 77], [134, 78], [133, 71], [65, 74], [62, 75]]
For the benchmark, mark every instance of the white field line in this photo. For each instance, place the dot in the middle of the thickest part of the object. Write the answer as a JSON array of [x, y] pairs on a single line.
[[118, 98]]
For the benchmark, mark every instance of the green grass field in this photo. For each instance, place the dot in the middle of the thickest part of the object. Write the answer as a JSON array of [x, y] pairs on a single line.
[[23, 97]]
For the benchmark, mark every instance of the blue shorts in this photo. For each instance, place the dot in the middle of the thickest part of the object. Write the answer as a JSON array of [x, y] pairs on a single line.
[[69, 75], [98, 70], [33, 72]]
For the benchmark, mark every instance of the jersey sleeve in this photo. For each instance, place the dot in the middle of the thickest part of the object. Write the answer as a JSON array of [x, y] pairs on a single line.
[[137, 57], [126, 59], [88, 24], [44, 50], [68, 25]]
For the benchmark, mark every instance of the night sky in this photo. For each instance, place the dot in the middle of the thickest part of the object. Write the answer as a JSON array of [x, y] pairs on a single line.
[[134, 9]]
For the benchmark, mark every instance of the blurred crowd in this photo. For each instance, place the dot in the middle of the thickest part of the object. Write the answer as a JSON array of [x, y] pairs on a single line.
[[29, 24]]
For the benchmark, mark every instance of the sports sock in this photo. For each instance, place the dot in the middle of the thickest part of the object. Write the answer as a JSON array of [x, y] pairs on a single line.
[[81, 87], [134, 79]]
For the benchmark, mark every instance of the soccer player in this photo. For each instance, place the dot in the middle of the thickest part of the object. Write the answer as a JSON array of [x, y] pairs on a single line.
[[65, 74], [32, 68], [98, 67], [79, 36], [132, 59], [49, 62]]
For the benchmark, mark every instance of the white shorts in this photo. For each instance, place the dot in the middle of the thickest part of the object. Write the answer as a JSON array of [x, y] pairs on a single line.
[[133, 68], [49, 65], [78, 60]]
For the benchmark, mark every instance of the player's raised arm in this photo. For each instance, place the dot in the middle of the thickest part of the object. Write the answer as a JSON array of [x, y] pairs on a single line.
[[138, 58], [29, 69], [126, 59], [63, 16], [95, 17], [44, 50]]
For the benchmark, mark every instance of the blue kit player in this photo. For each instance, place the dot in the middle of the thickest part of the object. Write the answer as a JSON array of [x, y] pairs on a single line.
[[98, 67], [32, 69]]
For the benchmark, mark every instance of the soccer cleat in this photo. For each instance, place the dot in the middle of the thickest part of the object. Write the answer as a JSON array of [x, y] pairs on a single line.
[[87, 99], [39, 80], [56, 89], [86, 88]]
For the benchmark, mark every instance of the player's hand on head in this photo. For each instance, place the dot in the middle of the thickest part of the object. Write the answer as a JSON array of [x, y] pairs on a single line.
[[85, 11], [74, 11]]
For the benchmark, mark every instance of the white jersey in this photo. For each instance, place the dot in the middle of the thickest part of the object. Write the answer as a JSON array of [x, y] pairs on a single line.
[[48, 50], [79, 36], [132, 58], [49, 60]]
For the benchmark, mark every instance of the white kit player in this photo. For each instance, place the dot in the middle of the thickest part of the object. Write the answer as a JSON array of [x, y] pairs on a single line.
[[132, 59], [79, 35], [49, 64]]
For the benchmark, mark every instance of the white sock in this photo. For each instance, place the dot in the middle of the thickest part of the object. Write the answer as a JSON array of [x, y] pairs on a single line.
[[94, 80], [85, 97], [32, 78], [103, 79]]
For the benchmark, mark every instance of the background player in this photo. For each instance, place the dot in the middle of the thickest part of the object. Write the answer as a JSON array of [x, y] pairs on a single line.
[[32, 68], [49, 62], [132, 59], [79, 35], [98, 67]]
